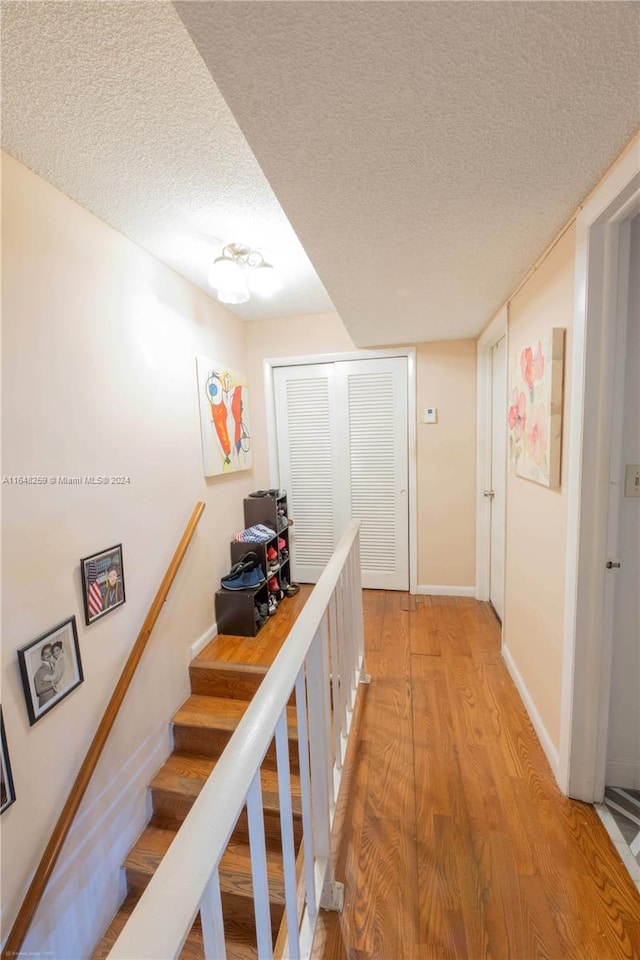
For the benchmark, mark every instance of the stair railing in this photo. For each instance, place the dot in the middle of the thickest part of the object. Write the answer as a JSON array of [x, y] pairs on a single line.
[[322, 659], [60, 831]]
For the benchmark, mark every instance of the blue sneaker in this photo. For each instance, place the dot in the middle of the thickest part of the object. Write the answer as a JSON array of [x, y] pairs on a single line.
[[245, 580]]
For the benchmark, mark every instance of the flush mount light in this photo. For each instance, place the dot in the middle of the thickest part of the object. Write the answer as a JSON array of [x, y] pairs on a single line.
[[240, 271]]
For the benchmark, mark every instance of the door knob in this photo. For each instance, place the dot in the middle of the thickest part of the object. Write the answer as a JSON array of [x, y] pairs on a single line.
[[488, 493], [612, 564]]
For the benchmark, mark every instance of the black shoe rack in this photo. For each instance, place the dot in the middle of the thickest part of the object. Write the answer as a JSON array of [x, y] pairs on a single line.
[[236, 609]]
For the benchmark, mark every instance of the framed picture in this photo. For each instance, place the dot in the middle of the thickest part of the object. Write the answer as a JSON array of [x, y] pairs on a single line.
[[50, 668], [536, 375], [102, 583], [223, 398], [7, 793]]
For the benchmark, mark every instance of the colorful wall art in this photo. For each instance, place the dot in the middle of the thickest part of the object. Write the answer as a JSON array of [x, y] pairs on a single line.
[[224, 418], [535, 409]]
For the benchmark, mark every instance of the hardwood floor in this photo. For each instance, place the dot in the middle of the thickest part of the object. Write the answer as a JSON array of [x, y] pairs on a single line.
[[456, 841]]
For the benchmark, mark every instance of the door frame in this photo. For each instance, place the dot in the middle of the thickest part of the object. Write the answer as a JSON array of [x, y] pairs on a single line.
[[588, 638], [491, 335], [268, 365]]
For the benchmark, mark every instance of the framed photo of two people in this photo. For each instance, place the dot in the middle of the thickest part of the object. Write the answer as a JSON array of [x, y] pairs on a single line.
[[50, 668], [102, 583]]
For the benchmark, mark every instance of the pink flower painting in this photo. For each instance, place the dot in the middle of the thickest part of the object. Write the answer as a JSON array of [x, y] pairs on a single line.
[[517, 414], [532, 367], [537, 435], [535, 409]]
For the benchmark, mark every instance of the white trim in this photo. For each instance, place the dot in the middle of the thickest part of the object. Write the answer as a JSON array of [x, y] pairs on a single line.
[[203, 640], [268, 365], [493, 333], [586, 645], [546, 742], [439, 590]]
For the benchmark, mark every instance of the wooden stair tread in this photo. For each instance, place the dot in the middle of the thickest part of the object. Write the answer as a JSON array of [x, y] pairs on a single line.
[[222, 678], [237, 944], [235, 867], [185, 774], [221, 713]]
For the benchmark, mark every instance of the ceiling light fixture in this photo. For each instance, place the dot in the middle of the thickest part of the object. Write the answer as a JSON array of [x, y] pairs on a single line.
[[239, 272]]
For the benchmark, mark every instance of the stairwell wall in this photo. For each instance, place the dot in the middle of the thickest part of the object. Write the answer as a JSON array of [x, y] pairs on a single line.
[[98, 378]]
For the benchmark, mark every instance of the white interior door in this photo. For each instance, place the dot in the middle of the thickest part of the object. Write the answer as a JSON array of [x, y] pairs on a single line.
[[498, 472], [342, 433]]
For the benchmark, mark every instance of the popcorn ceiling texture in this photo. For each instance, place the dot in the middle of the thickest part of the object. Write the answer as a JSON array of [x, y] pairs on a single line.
[[112, 103], [424, 153]]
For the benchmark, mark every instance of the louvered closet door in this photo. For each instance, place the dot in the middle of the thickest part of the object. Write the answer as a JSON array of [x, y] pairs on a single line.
[[306, 429], [374, 395], [342, 449]]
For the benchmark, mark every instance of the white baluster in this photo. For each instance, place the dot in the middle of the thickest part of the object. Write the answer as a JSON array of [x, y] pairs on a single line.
[[259, 869], [212, 920], [305, 795], [288, 842], [335, 685]]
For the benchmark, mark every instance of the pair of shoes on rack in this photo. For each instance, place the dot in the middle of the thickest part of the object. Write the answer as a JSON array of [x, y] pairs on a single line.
[[272, 553], [289, 589], [244, 574], [273, 604], [265, 493], [259, 617]]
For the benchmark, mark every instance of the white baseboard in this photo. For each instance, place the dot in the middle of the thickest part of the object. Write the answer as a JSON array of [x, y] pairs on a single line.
[[439, 590], [203, 640], [623, 773], [551, 751]]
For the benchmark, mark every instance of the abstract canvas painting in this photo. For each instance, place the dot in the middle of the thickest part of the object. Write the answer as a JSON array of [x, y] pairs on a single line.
[[223, 398], [535, 409]]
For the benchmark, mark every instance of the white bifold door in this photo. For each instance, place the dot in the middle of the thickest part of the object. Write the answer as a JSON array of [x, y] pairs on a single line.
[[342, 451]]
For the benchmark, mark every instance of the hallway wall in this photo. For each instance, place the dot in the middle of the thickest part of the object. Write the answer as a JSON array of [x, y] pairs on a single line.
[[445, 451], [536, 524], [99, 346]]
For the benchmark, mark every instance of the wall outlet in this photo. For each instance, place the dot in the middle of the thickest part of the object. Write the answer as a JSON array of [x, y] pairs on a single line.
[[430, 415], [632, 480]]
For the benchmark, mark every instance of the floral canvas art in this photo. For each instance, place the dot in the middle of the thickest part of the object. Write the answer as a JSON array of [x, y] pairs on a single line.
[[535, 409], [224, 418]]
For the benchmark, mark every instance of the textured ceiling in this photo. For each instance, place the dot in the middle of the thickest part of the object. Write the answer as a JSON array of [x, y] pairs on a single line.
[[424, 153], [112, 103]]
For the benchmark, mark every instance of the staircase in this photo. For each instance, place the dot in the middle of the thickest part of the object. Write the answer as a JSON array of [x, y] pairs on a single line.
[[224, 678]]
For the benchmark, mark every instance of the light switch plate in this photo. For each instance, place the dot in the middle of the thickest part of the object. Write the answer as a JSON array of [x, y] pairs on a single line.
[[430, 415], [632, 480]]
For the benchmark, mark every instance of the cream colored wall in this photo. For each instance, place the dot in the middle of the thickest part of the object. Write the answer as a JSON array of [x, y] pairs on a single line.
[[536, 522], [446, 378], [99, 341], [446, 453]]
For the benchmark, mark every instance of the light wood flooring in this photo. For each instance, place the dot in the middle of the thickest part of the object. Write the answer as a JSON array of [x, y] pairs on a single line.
[[455, 840]]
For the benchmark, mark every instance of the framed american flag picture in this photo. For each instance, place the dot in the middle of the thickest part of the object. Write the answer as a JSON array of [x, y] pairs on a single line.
[[102, 583]]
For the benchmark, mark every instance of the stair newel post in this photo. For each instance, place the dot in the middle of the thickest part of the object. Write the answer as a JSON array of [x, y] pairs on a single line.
[[305, 794], [336, 686], [288, 841], [212, 920], [322, 785], [258, 849]]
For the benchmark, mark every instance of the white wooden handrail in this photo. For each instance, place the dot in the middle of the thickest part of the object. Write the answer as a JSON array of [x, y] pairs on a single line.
[[186, 881]]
